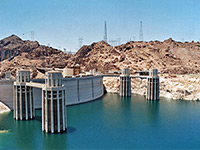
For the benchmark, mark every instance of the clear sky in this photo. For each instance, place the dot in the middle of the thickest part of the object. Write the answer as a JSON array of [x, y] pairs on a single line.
[[62, 22]]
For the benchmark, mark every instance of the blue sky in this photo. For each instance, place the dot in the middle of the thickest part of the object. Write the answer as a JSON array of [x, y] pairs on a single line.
[[62, 22]]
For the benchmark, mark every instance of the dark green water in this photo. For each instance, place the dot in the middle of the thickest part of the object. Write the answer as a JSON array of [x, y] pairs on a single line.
[[112, 123]]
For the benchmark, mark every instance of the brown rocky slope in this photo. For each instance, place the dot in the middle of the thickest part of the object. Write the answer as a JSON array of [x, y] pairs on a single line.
[[168, 56], [30, 54]]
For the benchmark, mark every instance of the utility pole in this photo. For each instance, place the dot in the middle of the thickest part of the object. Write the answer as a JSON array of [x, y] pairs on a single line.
[[105, 32], [141, 32]]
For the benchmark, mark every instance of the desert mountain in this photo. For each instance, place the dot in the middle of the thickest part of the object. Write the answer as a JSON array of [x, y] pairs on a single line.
[[168, 56], [29, 54]]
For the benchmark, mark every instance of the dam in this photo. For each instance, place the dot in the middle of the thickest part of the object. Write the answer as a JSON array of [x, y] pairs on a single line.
[[78, 90]]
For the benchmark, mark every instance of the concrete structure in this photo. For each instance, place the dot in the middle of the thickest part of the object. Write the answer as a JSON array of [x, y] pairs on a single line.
[[72, 71], [78, 90], [53, 103], [68, 72], [153, 85], [8, 75], [125, 83], [114, 71], [23, 96]]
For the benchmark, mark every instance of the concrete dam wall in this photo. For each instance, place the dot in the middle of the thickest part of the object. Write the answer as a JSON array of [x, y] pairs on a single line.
[[78, 90]]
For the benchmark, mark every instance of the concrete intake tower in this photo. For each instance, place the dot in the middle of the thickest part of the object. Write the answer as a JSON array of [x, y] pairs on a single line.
[[53, 103], [23, 96], [153, 85], [125, 83]]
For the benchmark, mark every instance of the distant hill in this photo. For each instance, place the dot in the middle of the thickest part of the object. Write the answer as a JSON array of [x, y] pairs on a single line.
[[168, 56], [30, 54]]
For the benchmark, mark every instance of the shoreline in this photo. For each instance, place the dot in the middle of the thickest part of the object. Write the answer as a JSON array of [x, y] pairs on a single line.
[[176, 87]]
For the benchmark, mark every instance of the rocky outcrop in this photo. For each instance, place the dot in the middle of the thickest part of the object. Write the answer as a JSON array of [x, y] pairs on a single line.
[[3, 108], [182, 87], [168, 56], [31, 55]]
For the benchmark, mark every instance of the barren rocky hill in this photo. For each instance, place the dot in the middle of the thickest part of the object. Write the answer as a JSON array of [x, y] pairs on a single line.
[[29, 54], [168, 56]]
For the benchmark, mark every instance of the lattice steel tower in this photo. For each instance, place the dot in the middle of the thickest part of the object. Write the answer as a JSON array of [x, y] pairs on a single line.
[[80, 41], [105, 32], [141, 32]]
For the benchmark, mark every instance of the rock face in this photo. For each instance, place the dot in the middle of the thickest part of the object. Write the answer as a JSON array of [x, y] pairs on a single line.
[[29, 54], [3, 108], [168, 56], [13, 42], [182, 87]]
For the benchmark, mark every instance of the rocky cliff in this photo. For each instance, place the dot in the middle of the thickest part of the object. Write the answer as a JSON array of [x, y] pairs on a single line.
[[168, 56], [29, 54]]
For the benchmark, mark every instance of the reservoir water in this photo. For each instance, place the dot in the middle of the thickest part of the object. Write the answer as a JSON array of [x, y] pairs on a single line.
[[112, 122]]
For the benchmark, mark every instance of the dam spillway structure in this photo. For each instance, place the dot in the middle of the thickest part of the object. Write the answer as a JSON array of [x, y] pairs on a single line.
[[23, 96], [125, 83], [153, 86], [53, 104]]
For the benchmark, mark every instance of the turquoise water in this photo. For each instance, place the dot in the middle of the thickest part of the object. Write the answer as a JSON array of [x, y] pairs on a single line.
[[112, 123]]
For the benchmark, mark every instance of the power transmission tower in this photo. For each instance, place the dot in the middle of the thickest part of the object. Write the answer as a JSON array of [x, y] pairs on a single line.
[[80, 40], [118, 41], [64, 50], [32, 35], [105, 32], [141, 32]]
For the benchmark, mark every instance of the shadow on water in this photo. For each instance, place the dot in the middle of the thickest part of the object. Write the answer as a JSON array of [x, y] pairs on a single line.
[[38, 118], [153, 110], [70, 129]]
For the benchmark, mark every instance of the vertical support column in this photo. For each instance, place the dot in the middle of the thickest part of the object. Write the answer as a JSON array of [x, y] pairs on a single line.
[[92, 88], [43, 110], [78, 91], [58, 110], [26, 103], [46, 111], [153, 86], [52, 113], [20, 101], [30, 102], [63, 111]]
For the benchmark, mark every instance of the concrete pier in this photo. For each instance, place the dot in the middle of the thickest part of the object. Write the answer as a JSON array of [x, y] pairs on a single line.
[[23, 97], [125, 83], [153, 85], [53, 104]]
